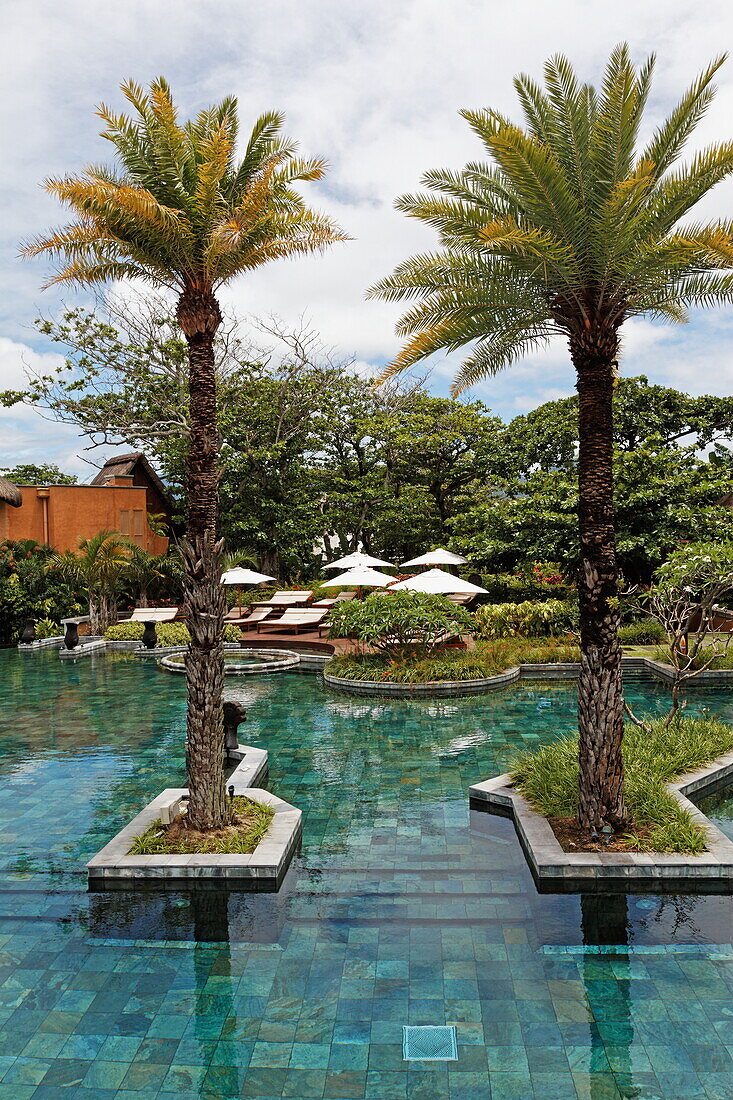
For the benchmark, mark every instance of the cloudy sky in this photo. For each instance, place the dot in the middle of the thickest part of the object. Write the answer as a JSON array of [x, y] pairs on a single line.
[[372, 85]]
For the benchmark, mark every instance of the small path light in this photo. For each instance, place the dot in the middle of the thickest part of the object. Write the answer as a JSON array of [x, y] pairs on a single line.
[[607, 834]]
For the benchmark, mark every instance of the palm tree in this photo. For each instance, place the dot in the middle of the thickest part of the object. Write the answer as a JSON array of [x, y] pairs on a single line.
[[571, 231], [100, 565], [180, 212]]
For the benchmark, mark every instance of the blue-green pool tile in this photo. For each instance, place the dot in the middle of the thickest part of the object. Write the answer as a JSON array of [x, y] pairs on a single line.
[[221, 1081], [507, 1059], [83, 1046], [271, 1055], [310, 1055], [385, 1085], [65, 1072], [43, 1045], [262, 1082], [277, 1031], [26, 1071], [351, 1056], [101, 1075], [16, 1092], [119, 1048], [305, 1083], [344, 1084], [167, 1027], [510, 1086], [184, 1078], [144, 1078]]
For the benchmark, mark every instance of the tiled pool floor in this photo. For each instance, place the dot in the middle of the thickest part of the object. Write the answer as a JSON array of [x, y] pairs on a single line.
[[402, 909]]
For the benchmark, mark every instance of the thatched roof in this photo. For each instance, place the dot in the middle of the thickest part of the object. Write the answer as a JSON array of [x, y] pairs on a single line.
[[10, 493], [128, 466]]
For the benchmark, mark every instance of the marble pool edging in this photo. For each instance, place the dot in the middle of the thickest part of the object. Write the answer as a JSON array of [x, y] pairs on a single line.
[[557, 871], [114, 867]]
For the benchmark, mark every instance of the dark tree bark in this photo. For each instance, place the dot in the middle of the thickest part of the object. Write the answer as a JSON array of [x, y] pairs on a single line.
[[600, 696], [199, 317]]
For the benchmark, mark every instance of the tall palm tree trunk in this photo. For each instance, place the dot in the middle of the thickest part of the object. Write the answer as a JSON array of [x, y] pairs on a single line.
[[600, 696], [199, 318]]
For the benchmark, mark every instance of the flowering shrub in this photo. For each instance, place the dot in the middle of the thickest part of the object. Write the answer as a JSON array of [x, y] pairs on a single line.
[[540, 580], [399, 621]]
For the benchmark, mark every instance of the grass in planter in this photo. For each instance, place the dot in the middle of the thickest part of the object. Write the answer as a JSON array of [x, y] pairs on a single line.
[[724, 661], [252, 820], [548, 778], [489, 658]]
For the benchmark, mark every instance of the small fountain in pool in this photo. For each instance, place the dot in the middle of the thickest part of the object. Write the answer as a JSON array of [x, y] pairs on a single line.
[[240, 661]]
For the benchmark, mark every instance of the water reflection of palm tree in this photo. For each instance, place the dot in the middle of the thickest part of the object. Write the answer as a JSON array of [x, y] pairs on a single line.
[[214, 999], [605, 922]]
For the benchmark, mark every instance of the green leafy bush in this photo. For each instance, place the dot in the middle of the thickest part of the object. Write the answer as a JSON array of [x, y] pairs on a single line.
[[400, 621], [540, 580], [548, 778], [46, 628], [642, 632], [530, 618], [168, 633], [487, 659]]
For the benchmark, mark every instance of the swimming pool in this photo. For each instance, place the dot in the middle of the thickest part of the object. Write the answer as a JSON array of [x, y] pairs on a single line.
[[403, 908]]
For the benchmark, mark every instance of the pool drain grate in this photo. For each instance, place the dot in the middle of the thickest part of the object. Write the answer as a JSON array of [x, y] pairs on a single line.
[[429, 1043]]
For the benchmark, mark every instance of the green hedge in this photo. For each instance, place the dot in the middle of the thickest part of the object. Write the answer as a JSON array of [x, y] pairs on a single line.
[[168, 633], [531, 618], [642, 632]]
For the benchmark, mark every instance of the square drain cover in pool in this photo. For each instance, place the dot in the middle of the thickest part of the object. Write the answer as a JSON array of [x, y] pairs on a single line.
[[429, 1044]]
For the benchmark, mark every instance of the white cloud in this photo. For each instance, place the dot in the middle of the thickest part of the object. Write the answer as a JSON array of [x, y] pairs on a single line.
[[375, 87]]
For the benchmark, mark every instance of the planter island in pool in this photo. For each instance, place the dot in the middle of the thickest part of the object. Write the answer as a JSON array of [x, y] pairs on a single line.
[[262, 869]]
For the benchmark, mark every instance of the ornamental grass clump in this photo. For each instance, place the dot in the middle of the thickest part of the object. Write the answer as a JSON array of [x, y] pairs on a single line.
[[548, 779]]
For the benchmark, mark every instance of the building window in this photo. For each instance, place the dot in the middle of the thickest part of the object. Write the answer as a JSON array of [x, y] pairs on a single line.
[[137, 525], [124, 521]]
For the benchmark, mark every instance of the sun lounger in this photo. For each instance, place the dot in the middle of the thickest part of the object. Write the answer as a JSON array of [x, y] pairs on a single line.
[[152, 615], [286, 599], [246, 621], [322, 603], [347, 595], [295, 621]]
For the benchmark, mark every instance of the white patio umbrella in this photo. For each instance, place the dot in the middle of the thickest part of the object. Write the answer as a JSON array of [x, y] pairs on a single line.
[[357, 560], [240, 575], [436, 580], [360, 578], [436, 557]]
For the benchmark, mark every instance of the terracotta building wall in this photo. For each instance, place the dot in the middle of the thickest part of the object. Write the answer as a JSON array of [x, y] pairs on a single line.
[[76, 512]]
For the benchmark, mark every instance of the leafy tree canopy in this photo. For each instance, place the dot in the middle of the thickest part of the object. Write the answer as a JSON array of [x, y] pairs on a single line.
[[44, 474]]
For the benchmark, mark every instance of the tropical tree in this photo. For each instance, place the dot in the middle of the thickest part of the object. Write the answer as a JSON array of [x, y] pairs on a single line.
[[100, 566], [181, 213], [570, 231]]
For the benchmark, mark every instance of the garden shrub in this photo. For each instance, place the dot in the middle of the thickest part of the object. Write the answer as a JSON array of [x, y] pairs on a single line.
[[168, 633], [530, 618], [542, 580], [46, 628], [399, 621], [487, 659], [642, 632]]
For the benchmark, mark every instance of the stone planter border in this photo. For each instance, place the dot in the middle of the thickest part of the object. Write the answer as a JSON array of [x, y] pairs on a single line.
[[263, 869], [282, 660], [633, 668], [41, 643], [557, 871]]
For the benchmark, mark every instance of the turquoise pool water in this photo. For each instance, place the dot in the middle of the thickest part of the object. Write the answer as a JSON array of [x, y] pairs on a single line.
[[403, 908]]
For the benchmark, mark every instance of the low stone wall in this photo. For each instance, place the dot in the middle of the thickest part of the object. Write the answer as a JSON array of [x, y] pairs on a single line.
[[41, 643]]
